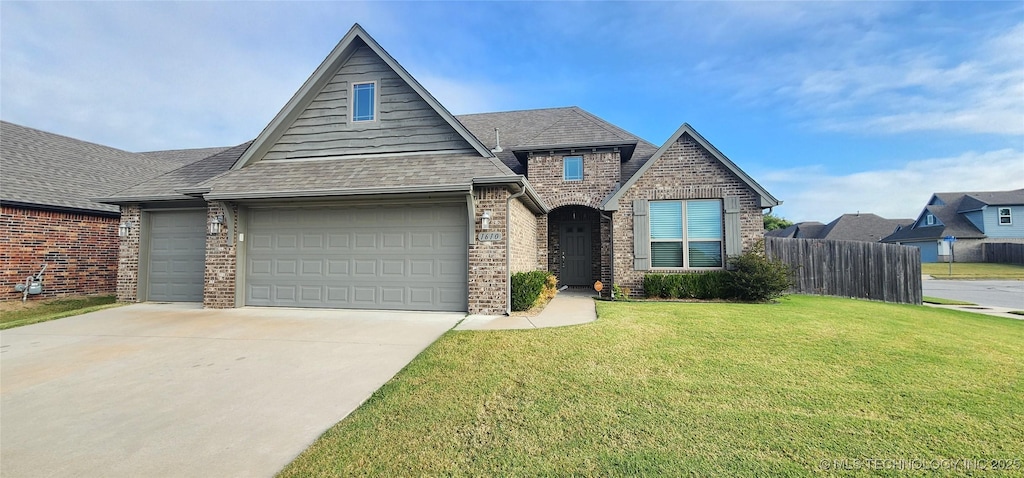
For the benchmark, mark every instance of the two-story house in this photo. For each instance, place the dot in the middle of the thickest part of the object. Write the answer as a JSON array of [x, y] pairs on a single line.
[[969, 219], [365, 192]]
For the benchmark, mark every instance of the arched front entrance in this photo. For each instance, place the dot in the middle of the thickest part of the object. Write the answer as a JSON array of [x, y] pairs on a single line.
[[578, 245]]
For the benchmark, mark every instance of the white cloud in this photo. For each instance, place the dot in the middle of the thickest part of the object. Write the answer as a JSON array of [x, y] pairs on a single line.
[[870, 74], [811, 194]]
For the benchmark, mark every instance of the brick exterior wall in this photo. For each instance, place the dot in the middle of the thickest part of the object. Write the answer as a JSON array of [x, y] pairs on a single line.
[[221, 265], [128, 256], [80, 252], [523, 235], [601, 176], [685, 171], [488, 278]]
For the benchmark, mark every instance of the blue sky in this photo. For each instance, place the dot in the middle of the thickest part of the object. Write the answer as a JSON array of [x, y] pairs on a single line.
[[833, 106]]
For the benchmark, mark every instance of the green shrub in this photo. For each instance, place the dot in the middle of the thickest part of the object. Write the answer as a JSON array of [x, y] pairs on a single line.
[[527, 288], [755, 278], [693, 285], [654, 284], [709, 285]]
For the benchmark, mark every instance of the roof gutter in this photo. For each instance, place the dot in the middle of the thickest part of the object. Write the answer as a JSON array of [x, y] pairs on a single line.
[[312, 193]]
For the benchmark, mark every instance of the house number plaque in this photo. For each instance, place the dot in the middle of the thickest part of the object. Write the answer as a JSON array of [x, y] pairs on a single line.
[[489, 236]]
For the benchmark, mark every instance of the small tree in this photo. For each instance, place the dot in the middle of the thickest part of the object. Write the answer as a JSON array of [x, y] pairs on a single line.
[[773, 222], [756, 278]]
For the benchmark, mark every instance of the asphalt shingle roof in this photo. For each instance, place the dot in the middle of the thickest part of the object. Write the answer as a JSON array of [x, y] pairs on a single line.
[[518, 129], [164, 187], [49, 170], [861, 227], [569, 126], [299, 178], [950, 221]]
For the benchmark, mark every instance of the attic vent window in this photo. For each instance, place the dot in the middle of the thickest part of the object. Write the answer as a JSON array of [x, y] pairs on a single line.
[[364, 101], [929, 220]]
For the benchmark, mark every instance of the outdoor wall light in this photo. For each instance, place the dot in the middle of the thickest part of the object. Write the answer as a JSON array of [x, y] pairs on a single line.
[[485, 220], [215, 224], [124, 228]]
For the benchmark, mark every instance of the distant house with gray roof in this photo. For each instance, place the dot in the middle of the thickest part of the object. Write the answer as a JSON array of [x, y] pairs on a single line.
[[48, 184], [972, 218], [364, 192], [865, 227]]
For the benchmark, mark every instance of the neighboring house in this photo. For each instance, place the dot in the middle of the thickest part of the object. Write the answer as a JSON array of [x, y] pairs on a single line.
[[864, 227], [365, 192], [47, 215], [972, 218]]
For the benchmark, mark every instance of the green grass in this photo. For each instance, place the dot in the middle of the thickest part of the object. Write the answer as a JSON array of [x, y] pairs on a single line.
[[16, 315], [973, 270], [941, 301], [672, 389]]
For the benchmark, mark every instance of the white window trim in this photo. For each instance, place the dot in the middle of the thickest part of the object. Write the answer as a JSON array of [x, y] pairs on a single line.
[[1009, 215], [929, 219], [352, 101], [685, 240], [565, 162]]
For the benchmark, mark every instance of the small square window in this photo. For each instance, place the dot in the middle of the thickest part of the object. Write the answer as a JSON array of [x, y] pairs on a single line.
[[364, 102], [1005, 217], [572, 168]]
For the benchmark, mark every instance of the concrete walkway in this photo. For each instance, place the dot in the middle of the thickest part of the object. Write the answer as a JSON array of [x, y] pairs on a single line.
[[567, 308], [982, 309]]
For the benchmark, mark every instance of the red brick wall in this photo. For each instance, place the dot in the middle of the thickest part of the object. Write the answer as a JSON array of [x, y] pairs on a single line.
[[80, 252], [128, 271]]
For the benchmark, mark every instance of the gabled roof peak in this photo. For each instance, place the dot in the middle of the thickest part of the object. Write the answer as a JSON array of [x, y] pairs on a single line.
[[355, 39]]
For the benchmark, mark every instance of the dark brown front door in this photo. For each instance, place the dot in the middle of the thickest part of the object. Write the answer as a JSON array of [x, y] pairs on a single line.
[[576, 261]]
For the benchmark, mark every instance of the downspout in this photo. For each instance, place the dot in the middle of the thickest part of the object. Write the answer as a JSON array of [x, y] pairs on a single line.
[[508, 250], [611, 254]]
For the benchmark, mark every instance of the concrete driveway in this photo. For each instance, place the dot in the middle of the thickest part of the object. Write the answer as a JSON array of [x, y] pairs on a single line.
[[174, 390], [993, 293]]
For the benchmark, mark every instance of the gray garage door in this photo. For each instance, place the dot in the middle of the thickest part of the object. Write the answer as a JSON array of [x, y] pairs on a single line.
[[177, 254], [408, 257]]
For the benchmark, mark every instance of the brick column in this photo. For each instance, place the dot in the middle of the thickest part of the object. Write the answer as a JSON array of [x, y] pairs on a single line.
[[219, 283], [128, 256], [488, 278]]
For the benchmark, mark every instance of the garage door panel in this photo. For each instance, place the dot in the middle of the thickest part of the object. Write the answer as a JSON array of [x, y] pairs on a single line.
[[308, 293], [380, 257], [313, 267], [177, 255], [312, 242]]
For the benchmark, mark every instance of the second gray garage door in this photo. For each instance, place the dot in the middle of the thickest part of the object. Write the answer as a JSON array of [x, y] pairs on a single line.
[[405, 257]]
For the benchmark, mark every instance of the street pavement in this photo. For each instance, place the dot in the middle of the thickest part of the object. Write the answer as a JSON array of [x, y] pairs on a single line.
[[994, 293]]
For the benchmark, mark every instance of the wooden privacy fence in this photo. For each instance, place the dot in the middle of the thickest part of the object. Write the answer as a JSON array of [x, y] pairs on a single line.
[[865, 270], [1003, 252]]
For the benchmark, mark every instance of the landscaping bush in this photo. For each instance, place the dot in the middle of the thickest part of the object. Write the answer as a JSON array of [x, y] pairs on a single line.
[[694, 285], [708, 285], [755, 278], [527, 287]]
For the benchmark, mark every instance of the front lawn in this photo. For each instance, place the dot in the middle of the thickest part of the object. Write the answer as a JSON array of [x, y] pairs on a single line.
[[676, 389], [973, 270], [18, 313]]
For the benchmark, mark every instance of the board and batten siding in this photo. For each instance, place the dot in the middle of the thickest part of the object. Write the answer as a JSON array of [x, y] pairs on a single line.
[[405, 123]]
